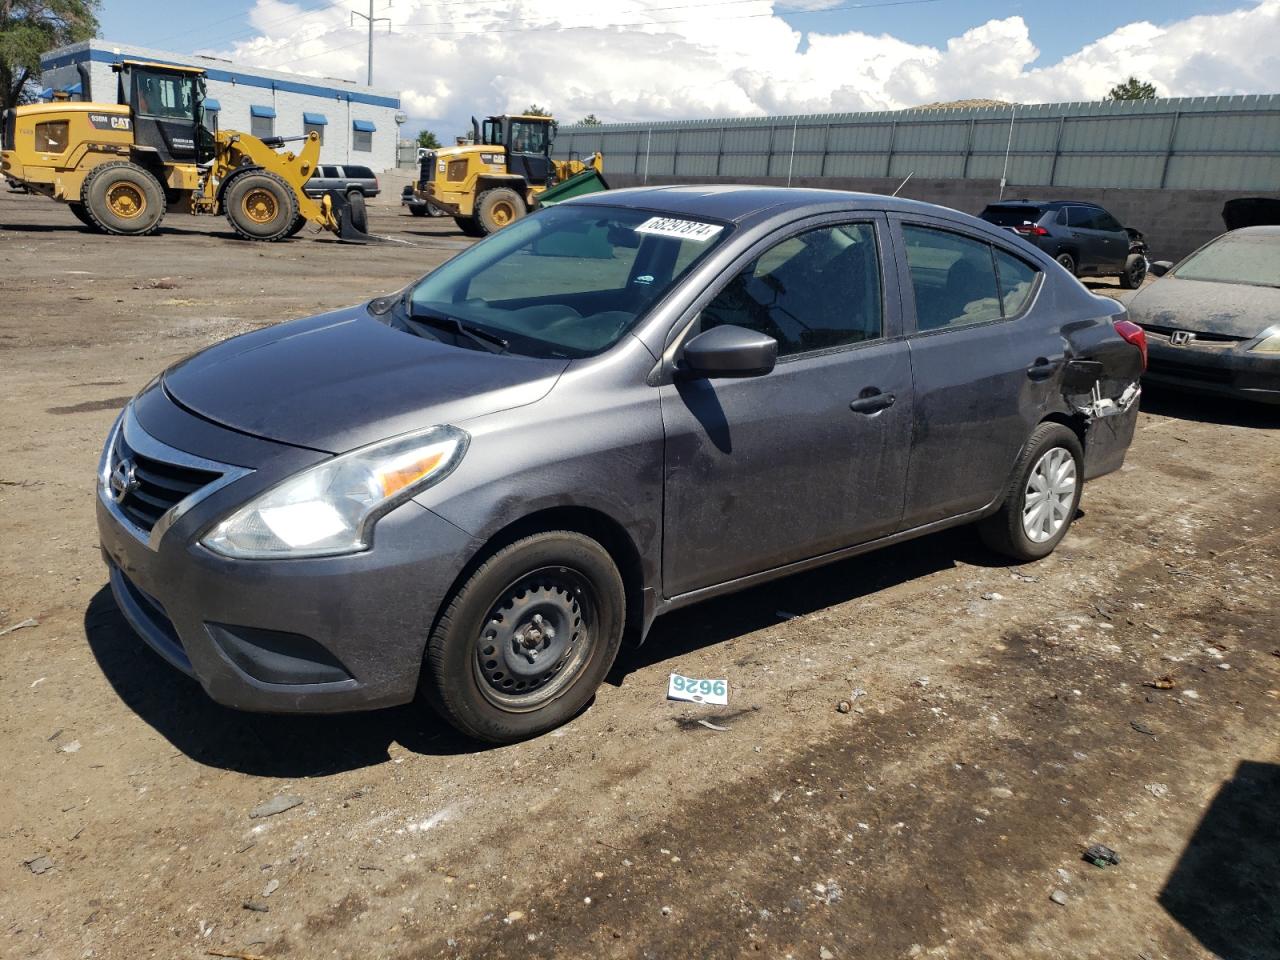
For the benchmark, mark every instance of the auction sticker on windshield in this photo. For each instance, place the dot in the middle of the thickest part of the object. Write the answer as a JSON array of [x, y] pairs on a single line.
[[698, 691], [680, 229]]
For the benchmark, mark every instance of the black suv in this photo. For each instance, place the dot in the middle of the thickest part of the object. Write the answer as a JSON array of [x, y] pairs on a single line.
[[1084, 238]]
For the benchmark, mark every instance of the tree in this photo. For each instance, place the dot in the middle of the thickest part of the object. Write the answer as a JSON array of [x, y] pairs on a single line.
[[590, 120], [29, 28], [429, 140], [533, 110], [1133, 89]]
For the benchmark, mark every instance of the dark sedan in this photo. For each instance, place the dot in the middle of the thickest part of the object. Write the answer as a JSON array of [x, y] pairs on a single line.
[[476, 487], [1214, 319]]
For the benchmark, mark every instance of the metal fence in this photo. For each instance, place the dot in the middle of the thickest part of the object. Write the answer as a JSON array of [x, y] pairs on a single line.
[[1199, 143]]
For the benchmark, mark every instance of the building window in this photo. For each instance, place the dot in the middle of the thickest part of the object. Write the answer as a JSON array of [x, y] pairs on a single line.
[[212, 110], [314, 123], [362, 136], [262, 122]]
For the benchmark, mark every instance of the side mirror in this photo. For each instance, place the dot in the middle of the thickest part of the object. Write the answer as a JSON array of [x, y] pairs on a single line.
[[1160, 268], [729, 351]]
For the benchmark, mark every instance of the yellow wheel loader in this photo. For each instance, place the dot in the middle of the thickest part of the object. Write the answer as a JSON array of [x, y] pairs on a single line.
[[121, 166], [503, 174]]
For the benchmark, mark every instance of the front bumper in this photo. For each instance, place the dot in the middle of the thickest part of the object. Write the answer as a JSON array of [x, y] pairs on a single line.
[[1224, 370], [309, 635]]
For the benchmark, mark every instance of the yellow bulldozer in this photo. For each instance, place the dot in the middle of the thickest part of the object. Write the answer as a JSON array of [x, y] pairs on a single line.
[[121, 166], [504, 172]]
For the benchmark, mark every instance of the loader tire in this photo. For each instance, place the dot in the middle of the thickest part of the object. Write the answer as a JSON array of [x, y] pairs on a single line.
[[470, 226], [81, 214], [358, 212], [498, 208], [261, 206], [299, 222], [124, 199]]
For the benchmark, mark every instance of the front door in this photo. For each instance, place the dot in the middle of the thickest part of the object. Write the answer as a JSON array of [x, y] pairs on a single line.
[[979, 367], [164, 114], [810, 458], [528, 151]]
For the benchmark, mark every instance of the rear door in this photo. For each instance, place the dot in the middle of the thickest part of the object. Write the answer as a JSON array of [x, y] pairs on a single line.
[[810, 458], [980, 367]]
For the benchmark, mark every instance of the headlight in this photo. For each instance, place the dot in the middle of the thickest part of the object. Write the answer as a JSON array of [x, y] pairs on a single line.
[[1270, 344], [331, 508]]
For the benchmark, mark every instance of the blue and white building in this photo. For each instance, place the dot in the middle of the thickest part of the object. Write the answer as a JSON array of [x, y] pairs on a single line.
[[357, 124]]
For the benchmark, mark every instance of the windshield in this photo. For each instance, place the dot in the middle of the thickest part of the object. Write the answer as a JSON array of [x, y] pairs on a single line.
[[1236, 258], [569, 281]]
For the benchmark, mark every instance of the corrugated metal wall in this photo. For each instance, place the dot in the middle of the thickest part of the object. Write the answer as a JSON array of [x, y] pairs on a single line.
[[1200, 143]]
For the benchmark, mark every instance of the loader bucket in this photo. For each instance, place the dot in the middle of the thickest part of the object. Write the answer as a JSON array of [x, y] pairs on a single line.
[[352, 218], [579, 185]]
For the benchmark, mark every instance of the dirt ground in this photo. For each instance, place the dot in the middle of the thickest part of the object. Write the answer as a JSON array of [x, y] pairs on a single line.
[[1001, 716]]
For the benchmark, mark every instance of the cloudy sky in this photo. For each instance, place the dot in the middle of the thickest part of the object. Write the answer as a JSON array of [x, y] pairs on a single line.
[[638, 60]]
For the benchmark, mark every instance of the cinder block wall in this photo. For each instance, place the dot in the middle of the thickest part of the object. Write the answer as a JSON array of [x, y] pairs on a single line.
[[1175, 222]]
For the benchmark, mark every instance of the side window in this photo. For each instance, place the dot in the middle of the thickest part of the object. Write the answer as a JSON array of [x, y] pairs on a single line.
[[1017, 280], [1105, 221], [1086, 218], [953, 277], [329, 173], [813, 291], [1062, 217]]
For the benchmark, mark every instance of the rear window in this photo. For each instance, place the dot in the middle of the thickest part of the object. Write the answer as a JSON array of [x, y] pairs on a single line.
[[1234, 258], [1011, 214]]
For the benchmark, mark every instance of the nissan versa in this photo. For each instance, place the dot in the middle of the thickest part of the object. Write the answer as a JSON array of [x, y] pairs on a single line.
[[474, 488]]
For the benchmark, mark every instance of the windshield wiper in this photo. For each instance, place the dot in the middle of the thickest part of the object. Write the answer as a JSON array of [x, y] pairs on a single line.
[[477, 335]]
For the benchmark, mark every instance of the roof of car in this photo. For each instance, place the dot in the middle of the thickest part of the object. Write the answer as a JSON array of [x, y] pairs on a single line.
[[1264, 230], [737, 202], [1047, 204]]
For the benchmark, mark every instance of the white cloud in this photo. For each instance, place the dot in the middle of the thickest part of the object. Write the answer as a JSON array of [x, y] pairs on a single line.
[[636, 60]]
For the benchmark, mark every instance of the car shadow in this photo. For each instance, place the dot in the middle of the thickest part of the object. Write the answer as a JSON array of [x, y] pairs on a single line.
[[723, 618], [259, 744], [1225, 886], [1167, 401]]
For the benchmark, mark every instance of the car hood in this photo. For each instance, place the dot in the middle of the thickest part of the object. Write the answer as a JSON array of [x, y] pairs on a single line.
[[344, 379], [1203, 306]]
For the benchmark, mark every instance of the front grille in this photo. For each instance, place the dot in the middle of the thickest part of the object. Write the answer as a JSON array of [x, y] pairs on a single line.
[[1190, 371], [1166, 332], [158, 486]]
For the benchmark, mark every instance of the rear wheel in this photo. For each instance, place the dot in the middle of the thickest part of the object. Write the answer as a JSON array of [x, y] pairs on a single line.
[[1135, 271], [523, 645], [261, 206], [498, 208], [1068, 262], [124, 199], [470, 226], [80, 213], [1042, 500]]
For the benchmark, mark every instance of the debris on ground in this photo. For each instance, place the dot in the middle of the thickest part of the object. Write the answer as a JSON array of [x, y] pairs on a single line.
[[256, 906], [825, 954], [280, 804], [1059, 897], [39, 865], [1102, 856], [713, 726], [1157, 790], [698, 691], [29, 622], [921, 682], [235, 956], [844, 706], [1164, 682], [1142, 728], [272, 886], [993, 596]]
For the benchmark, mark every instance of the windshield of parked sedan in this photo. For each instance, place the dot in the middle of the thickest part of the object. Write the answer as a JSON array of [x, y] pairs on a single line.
[[1236, 258], [569, 281]]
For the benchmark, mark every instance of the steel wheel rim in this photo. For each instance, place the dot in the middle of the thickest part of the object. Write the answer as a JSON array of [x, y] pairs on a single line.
[[1049, 495], [260, 205], [503, 213], [537, 638], [125, 200]]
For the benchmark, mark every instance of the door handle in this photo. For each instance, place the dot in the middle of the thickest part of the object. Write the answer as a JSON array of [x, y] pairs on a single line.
[[871, 400], [1042, 369]]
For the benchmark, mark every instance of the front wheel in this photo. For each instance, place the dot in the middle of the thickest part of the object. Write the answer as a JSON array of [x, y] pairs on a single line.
[[261, 206], [1135, 271], [1042, 500], [523, 645], [498, 208], [80, 213], [470, 226]]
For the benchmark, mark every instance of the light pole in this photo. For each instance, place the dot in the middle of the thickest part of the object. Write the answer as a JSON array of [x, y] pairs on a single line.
[[372, 20]]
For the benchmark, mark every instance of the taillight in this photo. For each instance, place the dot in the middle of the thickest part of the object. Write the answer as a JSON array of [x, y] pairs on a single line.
[[1132, 333], [1031, 230]]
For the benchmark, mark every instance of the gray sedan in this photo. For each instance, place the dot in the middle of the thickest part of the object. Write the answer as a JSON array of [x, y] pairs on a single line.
[[477, 487], [1214, 320]]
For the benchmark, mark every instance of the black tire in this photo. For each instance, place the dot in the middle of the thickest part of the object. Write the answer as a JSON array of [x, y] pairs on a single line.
[[1068, 263], [498, 208], [1135, 271], [357, 211], [1006, 531], [419, 211], [124, 199], [80, 213], [469, 226], [260, 206], [555, 594], [297, 226]]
